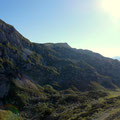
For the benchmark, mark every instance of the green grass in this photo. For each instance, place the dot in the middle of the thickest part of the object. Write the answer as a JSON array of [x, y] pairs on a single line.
[[8, 115]]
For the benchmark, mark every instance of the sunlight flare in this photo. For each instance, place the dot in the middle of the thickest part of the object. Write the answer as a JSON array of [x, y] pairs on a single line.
[[112, 7]]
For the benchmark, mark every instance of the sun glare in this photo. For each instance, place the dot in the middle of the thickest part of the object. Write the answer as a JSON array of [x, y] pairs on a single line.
[[112, 7]]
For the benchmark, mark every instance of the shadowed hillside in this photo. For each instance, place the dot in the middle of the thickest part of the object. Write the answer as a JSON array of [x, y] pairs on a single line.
[[52, 78]]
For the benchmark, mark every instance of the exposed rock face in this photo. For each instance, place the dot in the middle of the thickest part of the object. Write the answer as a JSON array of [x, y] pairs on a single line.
[[8, 34]]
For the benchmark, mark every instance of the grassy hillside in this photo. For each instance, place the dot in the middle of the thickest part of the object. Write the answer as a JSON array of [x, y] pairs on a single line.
[[44, 103]]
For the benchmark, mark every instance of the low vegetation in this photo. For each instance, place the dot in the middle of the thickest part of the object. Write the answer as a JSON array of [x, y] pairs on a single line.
[[55, 81], [37, 102]]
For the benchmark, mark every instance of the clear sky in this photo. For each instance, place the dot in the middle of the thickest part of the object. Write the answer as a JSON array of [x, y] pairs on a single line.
[[85, 24]]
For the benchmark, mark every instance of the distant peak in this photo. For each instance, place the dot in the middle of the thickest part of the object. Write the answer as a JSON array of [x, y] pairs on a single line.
[[57, 45], [116, 57], [63, 45]]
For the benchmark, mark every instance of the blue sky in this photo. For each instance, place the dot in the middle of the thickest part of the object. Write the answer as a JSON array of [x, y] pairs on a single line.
[[81, 23]]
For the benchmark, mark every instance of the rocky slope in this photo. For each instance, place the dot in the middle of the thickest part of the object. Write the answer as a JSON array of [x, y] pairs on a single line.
[[31, 72]]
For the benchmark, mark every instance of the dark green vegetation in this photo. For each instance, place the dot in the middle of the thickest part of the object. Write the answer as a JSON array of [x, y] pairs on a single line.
[[54, 81]]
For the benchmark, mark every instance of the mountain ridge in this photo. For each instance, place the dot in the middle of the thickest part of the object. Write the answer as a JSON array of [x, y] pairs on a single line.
[[47, 76], [116, 57], [51, 55]]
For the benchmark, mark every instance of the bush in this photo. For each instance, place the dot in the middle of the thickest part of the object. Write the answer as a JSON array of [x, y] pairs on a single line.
[[49, 89]]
